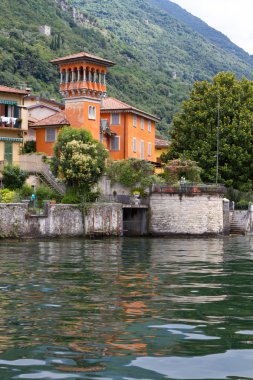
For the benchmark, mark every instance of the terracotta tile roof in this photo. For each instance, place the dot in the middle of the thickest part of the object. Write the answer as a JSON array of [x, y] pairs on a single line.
[[32, 120], [112, 104], [160, 143], [83, 56], [13, 90], [57, 119], [46, 101]]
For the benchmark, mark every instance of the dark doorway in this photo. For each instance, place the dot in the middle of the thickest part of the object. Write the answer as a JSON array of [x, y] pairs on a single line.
[[135, 221]]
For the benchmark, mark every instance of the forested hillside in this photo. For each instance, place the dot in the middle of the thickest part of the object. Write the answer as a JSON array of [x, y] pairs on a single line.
[[158, 55]]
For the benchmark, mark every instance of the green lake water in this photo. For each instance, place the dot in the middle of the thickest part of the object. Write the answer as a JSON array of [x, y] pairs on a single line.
[[127, 309]]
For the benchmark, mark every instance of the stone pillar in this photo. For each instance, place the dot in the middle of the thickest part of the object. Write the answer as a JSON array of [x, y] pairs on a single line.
[[99, 77], [72, 75], [84, 74], [67, 76], [78, 74], [61, 77]]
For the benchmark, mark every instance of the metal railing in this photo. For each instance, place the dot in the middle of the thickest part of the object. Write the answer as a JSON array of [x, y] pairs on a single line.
[[189, 188], [125, 199], [34, 165]]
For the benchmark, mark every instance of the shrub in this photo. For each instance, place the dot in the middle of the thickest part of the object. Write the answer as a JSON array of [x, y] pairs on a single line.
[[7, 196], [132, 173], [43, 193], [29, 147], [13, 177], [26, 191]]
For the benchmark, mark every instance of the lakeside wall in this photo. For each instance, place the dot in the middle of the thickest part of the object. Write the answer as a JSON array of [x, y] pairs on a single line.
[[168, 214], [181, 214], [61, 221]]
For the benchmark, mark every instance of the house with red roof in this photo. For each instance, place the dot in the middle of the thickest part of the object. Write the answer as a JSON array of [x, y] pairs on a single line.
[[13, 123], [123, 129]]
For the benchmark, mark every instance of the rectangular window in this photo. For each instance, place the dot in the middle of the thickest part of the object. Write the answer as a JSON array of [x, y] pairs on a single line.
[[50, 134], [142, 123], [134, 145], [149, 149], [115, 119], [92, 112], [142, 150], [115, 143], [149, 125], [135, 121]]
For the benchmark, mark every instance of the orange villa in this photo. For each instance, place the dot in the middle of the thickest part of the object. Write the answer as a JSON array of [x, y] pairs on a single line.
[[124, 130]]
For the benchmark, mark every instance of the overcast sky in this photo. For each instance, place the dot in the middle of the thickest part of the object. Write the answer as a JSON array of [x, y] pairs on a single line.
[[234, 18]]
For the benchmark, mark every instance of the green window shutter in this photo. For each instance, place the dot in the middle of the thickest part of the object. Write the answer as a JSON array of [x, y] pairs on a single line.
[[16, 112], [8, 151]]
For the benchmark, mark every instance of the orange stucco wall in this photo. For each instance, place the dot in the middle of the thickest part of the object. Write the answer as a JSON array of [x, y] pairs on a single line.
[[77, 113], [41, 145], [127, 132]]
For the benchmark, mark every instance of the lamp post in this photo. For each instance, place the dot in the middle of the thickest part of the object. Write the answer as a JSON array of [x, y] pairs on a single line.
[[217, 139]]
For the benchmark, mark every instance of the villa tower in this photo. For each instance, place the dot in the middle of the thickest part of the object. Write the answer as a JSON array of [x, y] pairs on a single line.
[[83, 86]]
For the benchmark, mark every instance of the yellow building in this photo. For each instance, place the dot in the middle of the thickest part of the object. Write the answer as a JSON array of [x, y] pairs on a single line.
[[161, 146], [13, 124]]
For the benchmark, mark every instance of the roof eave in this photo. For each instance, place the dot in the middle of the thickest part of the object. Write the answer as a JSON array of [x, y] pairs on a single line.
[[132, 110]]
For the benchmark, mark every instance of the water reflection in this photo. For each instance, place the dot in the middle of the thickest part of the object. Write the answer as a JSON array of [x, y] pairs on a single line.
[[86, 307]]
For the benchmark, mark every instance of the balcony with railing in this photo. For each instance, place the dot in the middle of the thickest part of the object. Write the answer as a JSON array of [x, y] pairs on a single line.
[[10, 122]]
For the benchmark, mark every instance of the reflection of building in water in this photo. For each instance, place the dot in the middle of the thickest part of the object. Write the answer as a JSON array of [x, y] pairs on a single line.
[[169, 250]]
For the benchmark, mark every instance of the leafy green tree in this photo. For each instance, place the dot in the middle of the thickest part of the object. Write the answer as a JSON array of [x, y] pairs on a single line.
[[13, 177], [176, 169], [132, 173], [79, 159], [218, 112]]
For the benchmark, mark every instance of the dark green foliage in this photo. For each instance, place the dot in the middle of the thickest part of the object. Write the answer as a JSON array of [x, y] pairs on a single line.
[[29, 147], [132, 173], [79, 159], [26, 191], [148, 44], [45, 193], [224, 105], [175, 170], [13, 177]]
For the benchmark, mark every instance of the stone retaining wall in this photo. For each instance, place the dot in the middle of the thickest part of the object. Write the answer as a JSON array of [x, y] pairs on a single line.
[[61, 221], [193, 214]]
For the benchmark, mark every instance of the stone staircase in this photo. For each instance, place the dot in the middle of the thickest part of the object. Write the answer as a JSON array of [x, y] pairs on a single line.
[[240, 223], [33, 164]]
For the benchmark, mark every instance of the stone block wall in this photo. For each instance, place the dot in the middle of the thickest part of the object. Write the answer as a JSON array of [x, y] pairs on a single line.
[[60, 221], [191, 214]]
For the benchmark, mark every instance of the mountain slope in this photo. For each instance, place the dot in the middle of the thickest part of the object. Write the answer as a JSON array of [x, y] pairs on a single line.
[[158, 55], [210, 34]]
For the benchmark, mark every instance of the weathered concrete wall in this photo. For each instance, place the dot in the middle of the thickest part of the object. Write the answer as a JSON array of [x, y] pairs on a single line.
[[104, 219], [60, 221], [195, 214]]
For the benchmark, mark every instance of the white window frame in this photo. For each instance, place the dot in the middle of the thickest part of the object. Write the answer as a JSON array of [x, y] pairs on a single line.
[[142, 150], [135, 121], [134, 144], [142, 124], [118, 122], [149, 126], [118, 149], [149, 149], [92, 113], [50, 139]]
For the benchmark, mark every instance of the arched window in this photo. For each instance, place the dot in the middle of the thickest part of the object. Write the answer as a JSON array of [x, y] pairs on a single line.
[[87, 74], [97, 76], [81, 74], [69, 78], [92, 75], [103, 77], [63, 76]]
